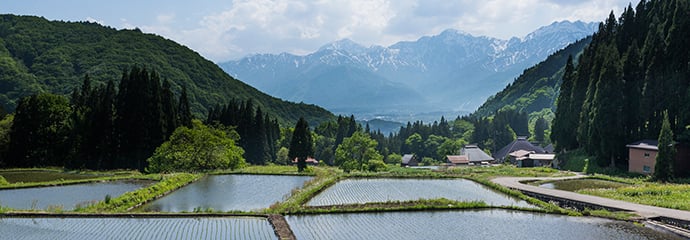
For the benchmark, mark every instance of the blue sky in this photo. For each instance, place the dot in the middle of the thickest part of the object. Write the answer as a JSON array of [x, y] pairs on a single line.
[[230, 29]]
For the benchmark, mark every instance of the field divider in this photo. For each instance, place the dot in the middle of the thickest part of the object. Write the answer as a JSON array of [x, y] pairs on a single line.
[[127, 215]]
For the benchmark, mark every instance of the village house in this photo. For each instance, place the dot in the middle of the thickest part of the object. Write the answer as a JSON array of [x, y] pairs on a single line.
[[642, 157], [409, 160], [523, 153], [475, 155], [457, 160]]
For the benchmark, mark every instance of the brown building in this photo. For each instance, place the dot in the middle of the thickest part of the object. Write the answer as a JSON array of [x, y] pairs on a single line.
[[457, 160], [642, 156]]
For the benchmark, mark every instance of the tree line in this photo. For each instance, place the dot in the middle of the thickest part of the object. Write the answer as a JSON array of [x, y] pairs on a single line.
[[635, 69], [100, 127]]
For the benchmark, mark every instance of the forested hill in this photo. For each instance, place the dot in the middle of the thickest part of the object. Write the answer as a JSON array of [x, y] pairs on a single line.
[[536, 88], [636, 67], [37, 55]]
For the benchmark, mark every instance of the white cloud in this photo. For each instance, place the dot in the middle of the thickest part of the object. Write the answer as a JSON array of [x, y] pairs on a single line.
[[301, 26], [93, 20]]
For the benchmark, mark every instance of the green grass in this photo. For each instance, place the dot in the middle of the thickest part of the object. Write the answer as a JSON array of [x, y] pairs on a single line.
[[129, 200], [73, 177], [32, 175], [270, 170], [622, 216], [421, 204], [666, 195]]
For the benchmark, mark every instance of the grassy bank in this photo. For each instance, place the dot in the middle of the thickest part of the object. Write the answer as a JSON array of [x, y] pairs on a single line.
[[666, 195], [416, 205], [324, 177], [43, 177], [127, 201]]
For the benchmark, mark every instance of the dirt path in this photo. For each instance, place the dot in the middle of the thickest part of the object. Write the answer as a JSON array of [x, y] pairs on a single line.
[[281, 227]]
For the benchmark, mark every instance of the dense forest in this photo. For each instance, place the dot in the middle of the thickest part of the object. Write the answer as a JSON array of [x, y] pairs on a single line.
[[99, 127], [636, 68], [41, 56]]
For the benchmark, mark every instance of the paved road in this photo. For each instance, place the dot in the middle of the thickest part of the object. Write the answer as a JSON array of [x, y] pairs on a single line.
[[645, 211]]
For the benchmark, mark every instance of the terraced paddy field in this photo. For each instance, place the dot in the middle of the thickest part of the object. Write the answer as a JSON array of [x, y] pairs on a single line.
[[136, 228], [228, 193], [66, 197], [353, 191], [477, 224]]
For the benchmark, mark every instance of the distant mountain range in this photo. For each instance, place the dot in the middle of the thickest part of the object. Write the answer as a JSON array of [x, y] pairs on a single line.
[[449, 72]]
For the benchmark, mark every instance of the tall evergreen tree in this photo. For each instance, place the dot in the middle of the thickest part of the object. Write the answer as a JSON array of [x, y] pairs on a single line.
[[184, 113], [301, 146], [663, 169], [565, 122]]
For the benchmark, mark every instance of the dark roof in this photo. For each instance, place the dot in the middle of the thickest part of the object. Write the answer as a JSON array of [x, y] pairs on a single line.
[[520, 143], [474, 154], [407, 158], [549, 148], [649, 144]]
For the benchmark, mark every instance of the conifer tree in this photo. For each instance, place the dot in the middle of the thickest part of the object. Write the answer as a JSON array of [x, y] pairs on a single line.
[[663, 169], [301, 146]]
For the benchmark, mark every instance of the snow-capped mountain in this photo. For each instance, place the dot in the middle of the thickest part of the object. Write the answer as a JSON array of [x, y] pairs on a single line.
[[449, 71]]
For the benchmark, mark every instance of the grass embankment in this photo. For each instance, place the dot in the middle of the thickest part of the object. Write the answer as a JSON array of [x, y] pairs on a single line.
[[270, 170], [42, 177], [130, 200], [324, 177], [421, 204]]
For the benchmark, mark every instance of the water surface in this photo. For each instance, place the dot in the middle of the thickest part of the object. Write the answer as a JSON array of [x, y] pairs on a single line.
[[66, 197], [136, 228], [351, 191], [228, 192], [478, 224]]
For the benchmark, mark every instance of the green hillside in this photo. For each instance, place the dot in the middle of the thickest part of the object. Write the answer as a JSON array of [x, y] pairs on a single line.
[[37, 55], [634, 72], [536, 88]]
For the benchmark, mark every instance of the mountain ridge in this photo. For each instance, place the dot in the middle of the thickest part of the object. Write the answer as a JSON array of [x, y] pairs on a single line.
[[38, 55], [450, 71]]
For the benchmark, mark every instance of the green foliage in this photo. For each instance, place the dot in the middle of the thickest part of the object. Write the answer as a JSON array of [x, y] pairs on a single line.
[[259, 132], [634, 69], [3, 181], [282, 157], [37, 55], [656, 194], [376, 166], [356, 151], [5, 127], [39, 133], [301, 145], [199, 148], [663, 169], [394, 159]]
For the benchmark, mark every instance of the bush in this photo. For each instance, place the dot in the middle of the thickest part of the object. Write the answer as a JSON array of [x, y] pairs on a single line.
[[3, 181], [377, 166], [199, 148]]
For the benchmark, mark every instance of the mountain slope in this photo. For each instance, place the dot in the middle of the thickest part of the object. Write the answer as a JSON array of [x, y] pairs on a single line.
[[450, 71], [37, 55], [537, 87]]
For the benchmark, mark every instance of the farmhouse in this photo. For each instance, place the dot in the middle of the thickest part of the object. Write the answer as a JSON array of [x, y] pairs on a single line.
[[409, 160], [475, 155], [642, 156], [457, 160], [520, 143]]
